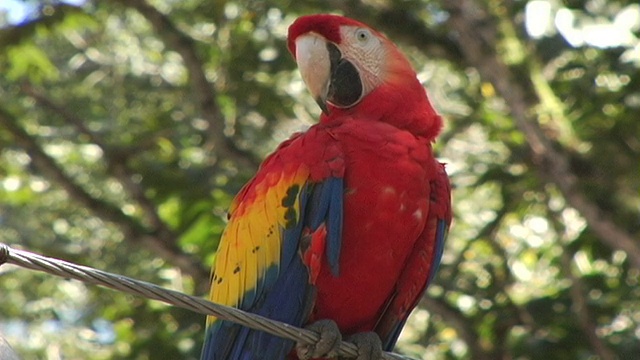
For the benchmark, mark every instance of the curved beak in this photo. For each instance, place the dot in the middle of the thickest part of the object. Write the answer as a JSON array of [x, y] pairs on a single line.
[[314, 62]]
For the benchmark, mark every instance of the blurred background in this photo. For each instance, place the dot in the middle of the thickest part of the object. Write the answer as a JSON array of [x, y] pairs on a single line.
[[126, 127]]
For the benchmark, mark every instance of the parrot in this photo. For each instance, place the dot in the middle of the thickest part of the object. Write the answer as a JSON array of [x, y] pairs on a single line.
[[343, 226]]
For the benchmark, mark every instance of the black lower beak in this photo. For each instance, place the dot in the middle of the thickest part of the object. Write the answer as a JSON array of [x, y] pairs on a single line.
[[345, 85], [323, 105]]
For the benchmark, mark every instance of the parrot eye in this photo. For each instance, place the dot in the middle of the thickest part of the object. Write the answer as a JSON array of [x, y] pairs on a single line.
[[362, 35]]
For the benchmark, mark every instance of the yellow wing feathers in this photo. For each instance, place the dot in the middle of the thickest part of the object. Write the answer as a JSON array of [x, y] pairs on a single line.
[[252, 241]]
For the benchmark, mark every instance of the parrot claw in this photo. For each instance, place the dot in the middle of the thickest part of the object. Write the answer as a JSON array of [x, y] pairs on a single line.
[[327, 346], [368, 344]]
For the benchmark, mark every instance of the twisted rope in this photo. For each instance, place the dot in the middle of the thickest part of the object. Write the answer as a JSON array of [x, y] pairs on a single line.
[[128, 285]]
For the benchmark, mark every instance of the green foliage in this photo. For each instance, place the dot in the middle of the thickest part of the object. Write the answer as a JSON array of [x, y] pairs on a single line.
[[114, 155]]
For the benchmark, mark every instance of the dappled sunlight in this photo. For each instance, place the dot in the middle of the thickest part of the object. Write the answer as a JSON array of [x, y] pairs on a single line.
[[123, 142]]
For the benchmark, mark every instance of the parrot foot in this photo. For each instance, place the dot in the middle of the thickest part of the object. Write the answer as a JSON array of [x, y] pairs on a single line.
[[330, 339], [368, 344]]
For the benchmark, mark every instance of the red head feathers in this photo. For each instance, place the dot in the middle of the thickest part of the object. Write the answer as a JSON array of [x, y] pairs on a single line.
[[351, 69]]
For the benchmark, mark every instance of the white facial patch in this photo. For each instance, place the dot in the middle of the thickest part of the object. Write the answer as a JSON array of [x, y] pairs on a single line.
[[367, 52]]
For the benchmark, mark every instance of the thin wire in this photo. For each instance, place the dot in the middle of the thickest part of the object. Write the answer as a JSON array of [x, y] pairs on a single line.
[[128, 285]]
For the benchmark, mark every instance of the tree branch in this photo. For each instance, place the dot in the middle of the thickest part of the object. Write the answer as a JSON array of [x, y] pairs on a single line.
[[578, 295], [459, 322], [153, 239], [476, 33], [204, 92], [114, 159], [580, 308], [404, 25]]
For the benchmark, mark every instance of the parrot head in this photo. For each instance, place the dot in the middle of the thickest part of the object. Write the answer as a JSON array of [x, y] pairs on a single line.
[[350, 68]]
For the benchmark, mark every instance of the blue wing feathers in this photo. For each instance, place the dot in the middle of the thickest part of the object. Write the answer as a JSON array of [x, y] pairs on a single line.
[[389, 343], [286, 294], [316, 214], [441, 234], [327, 207], [334, 224], [286, 303]]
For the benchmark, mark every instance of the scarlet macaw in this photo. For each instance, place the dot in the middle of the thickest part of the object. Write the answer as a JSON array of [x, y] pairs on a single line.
[[347, 220]]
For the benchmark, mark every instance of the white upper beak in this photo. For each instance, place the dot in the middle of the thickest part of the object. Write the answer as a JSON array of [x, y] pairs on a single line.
[[313, 61]]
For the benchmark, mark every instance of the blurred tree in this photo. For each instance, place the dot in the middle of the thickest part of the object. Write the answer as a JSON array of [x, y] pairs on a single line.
[[126, 126]]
